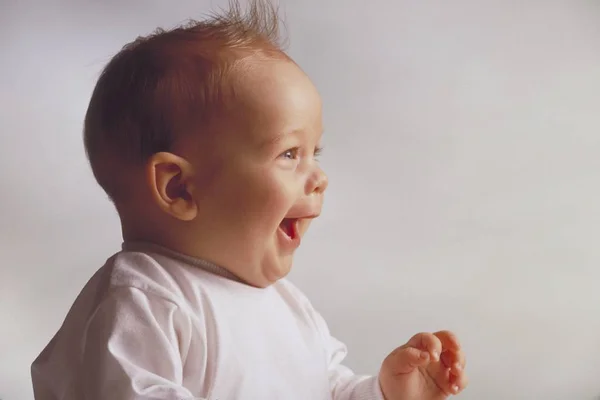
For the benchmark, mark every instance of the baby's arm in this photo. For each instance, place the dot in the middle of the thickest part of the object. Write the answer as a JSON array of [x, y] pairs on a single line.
[[343, 383], [131, 349], [429, 377]]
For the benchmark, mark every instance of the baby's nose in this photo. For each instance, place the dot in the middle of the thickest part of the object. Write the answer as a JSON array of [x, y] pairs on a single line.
[[317, 182]]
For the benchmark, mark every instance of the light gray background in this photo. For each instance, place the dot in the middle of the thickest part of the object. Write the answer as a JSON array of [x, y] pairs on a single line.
[[462, 144]]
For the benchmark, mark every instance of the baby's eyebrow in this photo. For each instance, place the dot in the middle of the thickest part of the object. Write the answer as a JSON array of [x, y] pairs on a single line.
[[276, 139]]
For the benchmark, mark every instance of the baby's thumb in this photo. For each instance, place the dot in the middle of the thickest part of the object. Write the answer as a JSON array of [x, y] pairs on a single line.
[[405, 359]]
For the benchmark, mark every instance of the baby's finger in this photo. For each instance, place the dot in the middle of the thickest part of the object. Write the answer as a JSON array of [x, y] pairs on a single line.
[[405, 359], [427, 342], [454, 360], [449, 340], [458, 382]]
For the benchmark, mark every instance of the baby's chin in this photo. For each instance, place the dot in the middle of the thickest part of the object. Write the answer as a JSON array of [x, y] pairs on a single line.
[[274, 271]]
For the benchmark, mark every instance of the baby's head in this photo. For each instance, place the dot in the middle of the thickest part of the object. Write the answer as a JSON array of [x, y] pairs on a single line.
[[205, 137]]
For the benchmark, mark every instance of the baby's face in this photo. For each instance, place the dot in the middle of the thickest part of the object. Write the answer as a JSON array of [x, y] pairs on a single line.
[[264, 184]]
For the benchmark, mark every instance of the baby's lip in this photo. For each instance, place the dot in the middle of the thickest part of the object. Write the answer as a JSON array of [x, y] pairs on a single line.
[[311, 215], [306, 209]]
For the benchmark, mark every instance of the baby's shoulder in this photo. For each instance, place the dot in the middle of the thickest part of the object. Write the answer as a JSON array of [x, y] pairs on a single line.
[[153, 276], [141, 271]]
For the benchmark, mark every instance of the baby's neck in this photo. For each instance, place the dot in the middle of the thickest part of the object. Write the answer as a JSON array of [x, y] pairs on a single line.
[[144, 246]]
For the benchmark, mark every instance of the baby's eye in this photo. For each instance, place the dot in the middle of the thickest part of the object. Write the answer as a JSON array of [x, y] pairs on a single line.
[[290, 154]]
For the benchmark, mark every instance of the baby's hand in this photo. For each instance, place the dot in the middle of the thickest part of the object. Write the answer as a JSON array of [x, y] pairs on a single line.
[[428, 367]]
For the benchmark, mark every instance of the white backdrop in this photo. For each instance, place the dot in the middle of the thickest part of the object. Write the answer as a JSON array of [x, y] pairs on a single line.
[[463, 149]]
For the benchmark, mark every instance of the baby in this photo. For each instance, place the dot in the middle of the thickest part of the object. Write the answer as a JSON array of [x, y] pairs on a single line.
[[206, 139]]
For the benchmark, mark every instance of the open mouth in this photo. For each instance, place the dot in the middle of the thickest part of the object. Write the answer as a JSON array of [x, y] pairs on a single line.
[[289, 226]]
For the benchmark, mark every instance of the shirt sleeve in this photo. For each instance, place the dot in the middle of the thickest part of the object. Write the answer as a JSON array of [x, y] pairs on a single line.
[[132, 349], [344, 384]]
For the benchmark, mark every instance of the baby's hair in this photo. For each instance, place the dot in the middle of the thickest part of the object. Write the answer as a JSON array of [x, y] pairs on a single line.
[[171, 83]]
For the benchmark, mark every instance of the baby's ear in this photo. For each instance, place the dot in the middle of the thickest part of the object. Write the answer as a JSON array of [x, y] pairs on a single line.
[[169, 178]]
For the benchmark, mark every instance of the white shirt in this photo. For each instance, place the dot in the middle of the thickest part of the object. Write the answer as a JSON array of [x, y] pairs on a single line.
[[154, 324]]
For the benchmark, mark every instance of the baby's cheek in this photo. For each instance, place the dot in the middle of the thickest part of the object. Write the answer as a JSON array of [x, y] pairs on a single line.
[[277, 196]]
